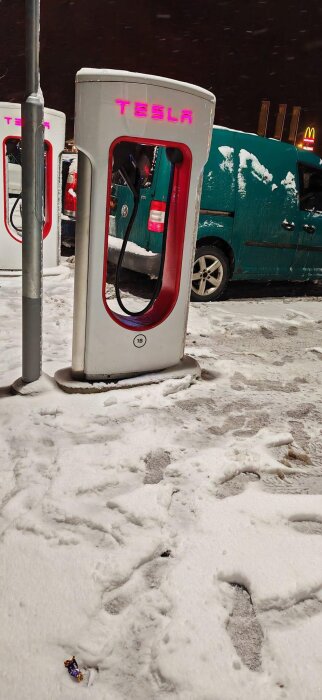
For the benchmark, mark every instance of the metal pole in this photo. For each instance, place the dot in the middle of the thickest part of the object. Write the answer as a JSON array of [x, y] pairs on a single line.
[[32, 200]]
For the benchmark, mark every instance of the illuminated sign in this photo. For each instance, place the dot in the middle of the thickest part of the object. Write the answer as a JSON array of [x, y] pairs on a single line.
[[17, 121], [142, 110], [309, 138], [309, 133]]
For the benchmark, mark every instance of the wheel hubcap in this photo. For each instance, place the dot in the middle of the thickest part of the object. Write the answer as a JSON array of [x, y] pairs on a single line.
[[207, 275]]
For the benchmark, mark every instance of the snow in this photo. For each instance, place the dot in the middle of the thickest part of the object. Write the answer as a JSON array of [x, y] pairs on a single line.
[[131, 247], [235, 131], [290, 186], [258, 170], [228, 162], [169, 535]]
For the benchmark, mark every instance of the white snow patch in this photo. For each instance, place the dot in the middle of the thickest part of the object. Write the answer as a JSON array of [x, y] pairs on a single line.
[[131, 247], [258, 170], [290, 185], [172, 386], [318, 350], [122, 527], [235, 131], [148, 503], [228, 163], [41, 385]]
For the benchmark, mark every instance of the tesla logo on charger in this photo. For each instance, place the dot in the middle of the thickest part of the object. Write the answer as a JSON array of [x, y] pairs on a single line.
[[18, 121], [142, 110]]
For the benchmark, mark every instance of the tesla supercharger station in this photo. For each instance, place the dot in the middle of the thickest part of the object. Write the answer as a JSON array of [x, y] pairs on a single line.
[[10, 186], [117, 114]]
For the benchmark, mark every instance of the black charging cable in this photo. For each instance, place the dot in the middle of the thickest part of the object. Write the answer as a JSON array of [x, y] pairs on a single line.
[[19, 230], [175, 156]]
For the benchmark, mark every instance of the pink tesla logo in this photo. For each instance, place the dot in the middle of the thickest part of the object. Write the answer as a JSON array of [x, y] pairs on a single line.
[[142, 110], [17, 121]]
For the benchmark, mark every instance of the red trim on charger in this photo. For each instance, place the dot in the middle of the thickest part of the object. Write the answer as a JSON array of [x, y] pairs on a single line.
[[169, 292], [49, 189]]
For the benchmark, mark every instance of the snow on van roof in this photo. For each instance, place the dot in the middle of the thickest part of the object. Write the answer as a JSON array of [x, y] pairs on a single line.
[[236, 131], [305, 154]]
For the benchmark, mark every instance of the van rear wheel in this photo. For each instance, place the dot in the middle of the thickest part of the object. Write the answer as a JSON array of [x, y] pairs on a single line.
[[210, 274]]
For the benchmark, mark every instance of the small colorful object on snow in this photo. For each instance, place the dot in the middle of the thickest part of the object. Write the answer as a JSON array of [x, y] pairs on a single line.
[[73, 670]]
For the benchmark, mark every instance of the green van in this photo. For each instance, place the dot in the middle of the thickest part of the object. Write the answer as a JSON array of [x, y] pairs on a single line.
[[260, 214]]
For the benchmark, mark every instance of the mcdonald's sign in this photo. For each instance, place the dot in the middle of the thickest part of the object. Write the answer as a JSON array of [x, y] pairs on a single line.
[[309, 138], [309, 133]]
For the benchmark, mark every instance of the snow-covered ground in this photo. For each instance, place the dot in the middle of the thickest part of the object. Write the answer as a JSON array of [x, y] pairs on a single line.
[[169, 536]]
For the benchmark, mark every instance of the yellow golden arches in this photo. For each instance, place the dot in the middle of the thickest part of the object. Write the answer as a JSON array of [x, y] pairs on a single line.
[[309, 133]]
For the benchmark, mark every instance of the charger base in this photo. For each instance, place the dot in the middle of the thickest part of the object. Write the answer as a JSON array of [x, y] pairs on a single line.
[[66, 382]]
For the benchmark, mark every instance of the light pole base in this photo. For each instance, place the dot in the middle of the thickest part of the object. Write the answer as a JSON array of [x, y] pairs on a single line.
[[40, 386]]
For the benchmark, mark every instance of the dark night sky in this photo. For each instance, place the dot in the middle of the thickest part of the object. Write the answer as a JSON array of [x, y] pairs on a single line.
[[243, 50]]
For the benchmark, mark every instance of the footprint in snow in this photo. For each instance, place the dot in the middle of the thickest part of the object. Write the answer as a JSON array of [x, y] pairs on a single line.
[[235, 485], [244, 629], [155, 464], [308, 527]]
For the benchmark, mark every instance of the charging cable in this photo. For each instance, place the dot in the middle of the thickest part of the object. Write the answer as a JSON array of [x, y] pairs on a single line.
[[175, 156], [19, 230]]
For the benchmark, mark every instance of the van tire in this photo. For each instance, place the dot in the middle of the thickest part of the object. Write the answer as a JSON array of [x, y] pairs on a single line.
[[204, 285]]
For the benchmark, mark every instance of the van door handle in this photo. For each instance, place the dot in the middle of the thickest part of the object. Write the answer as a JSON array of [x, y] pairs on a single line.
[[309, 228], [288, 225]]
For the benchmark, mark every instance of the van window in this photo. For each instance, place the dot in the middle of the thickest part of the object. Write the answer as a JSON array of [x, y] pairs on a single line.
[[310, 188], [146, 159]]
